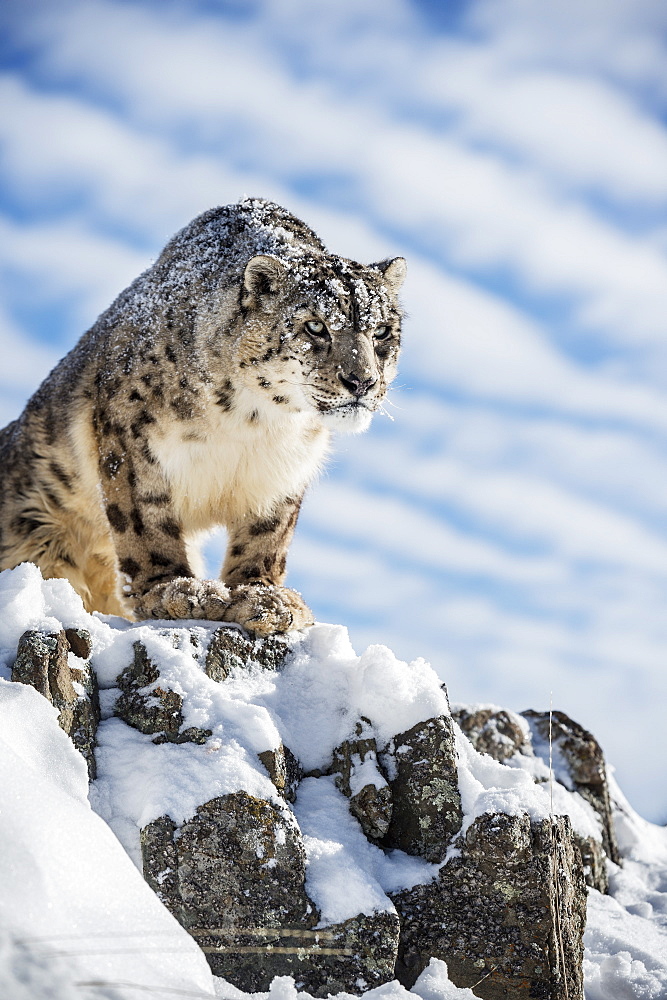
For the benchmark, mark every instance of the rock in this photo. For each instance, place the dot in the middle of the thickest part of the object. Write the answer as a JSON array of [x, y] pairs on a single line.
[[160, 863], [241, 862], [594, 862], [349, 957], [151, 707], [235, 868], [352, 957], [422, 773], [79, 642], [284, 770], [507, 914], [584, 762], [231, 648], [42, 660], [359, 777], [494, 731], [234, 876]]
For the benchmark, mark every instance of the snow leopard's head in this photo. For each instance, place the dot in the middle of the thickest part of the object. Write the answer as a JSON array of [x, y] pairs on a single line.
[[321, 334]]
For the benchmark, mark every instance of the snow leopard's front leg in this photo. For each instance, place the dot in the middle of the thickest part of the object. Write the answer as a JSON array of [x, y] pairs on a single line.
[[254, 571], [155, 576]]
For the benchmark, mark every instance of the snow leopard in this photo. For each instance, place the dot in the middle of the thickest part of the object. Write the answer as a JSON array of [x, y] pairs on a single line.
[[204, 396]]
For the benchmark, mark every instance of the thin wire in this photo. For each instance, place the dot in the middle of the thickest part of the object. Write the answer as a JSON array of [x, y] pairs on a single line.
[[145, 988], [489, 973], [559, 933]]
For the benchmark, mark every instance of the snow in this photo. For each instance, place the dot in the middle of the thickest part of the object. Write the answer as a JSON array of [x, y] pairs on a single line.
[[488, 786], [626, 954], [74, 909], [347, 875], [433, 984], [71, 899], [338, 855], [626, 934]]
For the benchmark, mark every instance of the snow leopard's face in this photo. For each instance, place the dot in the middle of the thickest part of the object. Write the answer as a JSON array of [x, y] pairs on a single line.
[[322, 335]]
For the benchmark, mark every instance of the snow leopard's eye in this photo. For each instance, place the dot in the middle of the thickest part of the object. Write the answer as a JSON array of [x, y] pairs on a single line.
[[316, 328], [382, 333]]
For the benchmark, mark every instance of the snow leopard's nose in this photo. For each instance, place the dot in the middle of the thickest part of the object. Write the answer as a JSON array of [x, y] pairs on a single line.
[[357, 385]]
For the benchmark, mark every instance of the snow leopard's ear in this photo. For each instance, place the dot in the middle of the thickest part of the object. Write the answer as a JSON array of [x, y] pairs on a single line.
[[393, 271], [261, 277]]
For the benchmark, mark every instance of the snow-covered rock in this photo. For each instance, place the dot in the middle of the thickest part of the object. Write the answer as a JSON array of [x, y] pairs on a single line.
[[231, 741]]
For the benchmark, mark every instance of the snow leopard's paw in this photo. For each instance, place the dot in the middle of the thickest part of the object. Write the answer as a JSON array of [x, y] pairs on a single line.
[[185, 597], [263, 610]]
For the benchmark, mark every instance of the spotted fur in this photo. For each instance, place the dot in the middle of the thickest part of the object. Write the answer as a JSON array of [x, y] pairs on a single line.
[[203, 396]]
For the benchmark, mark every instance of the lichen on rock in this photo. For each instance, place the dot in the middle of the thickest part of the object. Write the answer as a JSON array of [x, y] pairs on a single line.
[[507, 913], [493, 730], [150, 706], [584, 762], [359, 776], [235, 876], [421, 765], [230, 648], [284, 770]]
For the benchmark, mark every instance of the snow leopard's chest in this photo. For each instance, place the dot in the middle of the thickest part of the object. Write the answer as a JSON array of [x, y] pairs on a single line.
[[230, 467]]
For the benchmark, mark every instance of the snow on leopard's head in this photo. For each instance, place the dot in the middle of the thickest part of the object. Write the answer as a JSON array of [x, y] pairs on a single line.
[[322, 334]]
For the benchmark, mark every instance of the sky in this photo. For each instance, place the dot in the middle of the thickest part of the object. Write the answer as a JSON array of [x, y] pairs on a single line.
[[508, 523]]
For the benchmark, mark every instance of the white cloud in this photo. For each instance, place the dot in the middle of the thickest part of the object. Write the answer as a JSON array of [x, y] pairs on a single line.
[[623, 39], [61, 146], [620, 467], [581, 129], [459, 335], [417, 537], [521, 507], [237, 93], [60, 260], [22, 359]]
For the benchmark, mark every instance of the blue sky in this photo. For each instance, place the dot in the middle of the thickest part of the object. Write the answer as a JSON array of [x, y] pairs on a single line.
[[508, 524]]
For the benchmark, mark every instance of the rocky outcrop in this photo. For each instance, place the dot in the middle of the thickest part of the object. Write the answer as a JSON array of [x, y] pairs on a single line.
[[583, 759], [424, 786], [507, 913], [234, 876], [151, 707], [580, 766], [231, 649], [43, 661], [493, 731], [406, 794], [284, 770], [359, 776], [505, 908]]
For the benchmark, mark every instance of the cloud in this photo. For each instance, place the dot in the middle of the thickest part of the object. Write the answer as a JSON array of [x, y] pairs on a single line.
[[408, 534], [617, 39], [60, 149], [65, 260], [460, 335], [25, 363], [622, 468], [474, 207], [584, 131], [525, 509]]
